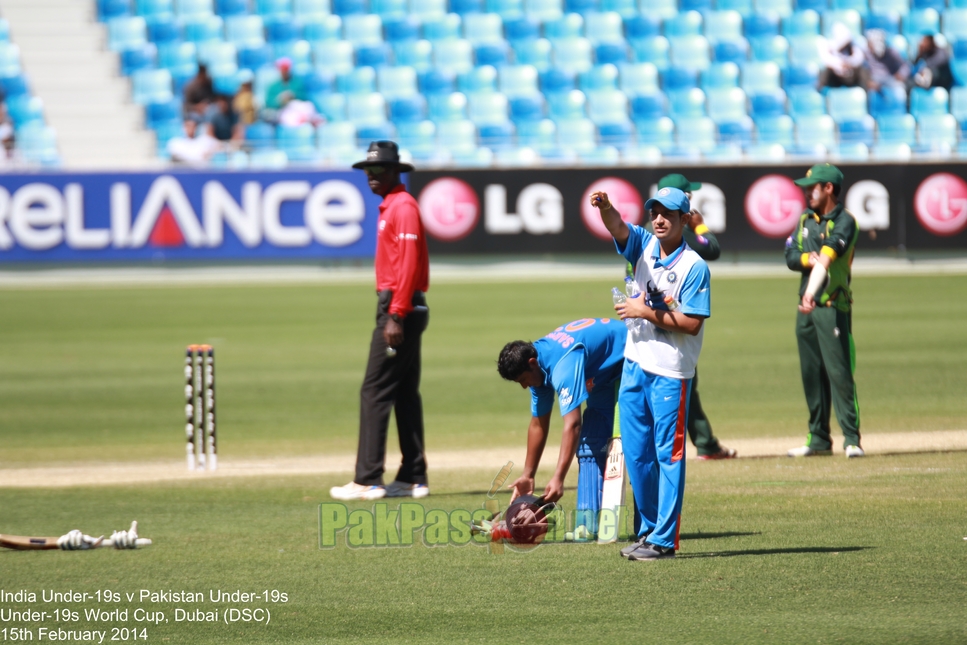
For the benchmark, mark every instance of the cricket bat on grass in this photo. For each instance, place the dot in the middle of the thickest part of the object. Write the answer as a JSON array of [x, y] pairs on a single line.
[[612, 494]]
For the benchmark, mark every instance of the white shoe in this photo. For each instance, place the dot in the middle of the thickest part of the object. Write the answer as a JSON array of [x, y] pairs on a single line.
[[403, 489], [806, 451], [352, 490], [854, 451]]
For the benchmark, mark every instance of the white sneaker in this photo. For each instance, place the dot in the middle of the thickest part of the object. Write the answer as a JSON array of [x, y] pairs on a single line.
[[854, 451], [352, 490], [403, 489], [806, 451]]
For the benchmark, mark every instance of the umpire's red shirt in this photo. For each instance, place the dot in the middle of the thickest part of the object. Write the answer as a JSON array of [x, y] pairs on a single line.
[[402, 261]]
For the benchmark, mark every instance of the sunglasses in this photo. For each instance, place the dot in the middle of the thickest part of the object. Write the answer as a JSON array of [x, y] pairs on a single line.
[[374, 171]]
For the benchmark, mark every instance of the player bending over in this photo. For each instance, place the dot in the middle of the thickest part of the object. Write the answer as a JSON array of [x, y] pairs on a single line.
[[580, 361]]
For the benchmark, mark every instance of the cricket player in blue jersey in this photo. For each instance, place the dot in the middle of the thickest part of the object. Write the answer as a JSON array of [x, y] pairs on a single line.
[[581, 362], [661, 353]]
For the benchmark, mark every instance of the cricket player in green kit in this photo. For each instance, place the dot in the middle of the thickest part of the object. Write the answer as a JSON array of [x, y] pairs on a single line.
[[821, 249]]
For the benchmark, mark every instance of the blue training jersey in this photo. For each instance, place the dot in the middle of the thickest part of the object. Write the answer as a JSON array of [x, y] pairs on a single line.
[[574, 359]]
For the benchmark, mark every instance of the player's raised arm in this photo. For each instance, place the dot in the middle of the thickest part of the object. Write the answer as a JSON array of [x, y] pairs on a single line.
[[610, 217]]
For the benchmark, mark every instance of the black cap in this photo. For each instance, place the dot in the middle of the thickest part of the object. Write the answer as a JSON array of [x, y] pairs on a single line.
[[383, 153]]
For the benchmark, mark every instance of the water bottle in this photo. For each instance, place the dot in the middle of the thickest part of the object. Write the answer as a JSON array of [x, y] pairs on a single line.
[[619, 298], [671, 303], [631, 288]]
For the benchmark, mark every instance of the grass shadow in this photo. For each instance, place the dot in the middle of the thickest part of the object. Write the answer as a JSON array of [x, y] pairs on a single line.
[[713, 536], [804, 549]]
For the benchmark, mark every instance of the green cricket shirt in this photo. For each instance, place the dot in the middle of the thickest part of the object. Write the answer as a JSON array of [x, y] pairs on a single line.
[[834, 235]]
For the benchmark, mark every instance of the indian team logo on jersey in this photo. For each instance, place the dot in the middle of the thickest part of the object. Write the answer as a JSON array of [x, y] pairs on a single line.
[[941, 204], [671, 277], [624, 197], [449, 209], [773, 206]]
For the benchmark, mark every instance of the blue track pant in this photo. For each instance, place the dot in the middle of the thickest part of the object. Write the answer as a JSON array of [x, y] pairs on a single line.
[[652, 411], [597, 428]]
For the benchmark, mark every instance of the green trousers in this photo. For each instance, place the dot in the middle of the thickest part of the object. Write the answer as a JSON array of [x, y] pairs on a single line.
[[827, 358]]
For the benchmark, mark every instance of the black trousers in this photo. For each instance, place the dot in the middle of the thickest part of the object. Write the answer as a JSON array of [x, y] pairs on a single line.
[[393, 384]]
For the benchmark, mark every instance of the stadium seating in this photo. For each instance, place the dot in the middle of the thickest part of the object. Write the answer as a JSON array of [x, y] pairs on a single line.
[[510, 81]]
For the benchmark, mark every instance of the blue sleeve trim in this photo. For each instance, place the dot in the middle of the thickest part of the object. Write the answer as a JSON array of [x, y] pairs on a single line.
[[696, 293]]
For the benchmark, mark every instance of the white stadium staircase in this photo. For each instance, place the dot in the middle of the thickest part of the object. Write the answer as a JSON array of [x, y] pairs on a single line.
[[85, 99]]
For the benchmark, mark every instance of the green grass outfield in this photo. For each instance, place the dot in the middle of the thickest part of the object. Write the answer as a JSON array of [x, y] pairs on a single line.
[[773, 550]]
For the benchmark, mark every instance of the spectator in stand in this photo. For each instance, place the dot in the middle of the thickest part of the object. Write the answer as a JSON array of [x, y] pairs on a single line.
[[286, 88], [7, 133], [886, 66], [244, 102], [224, 121], [843, 59], [199, 92], [193, 147], [931, 68]]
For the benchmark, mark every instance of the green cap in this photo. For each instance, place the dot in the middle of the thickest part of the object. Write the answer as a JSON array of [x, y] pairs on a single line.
[[821, 173], [678, 181]]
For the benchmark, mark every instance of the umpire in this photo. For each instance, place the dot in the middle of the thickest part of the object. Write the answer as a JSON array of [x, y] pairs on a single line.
[[821, 249], [392, 379]]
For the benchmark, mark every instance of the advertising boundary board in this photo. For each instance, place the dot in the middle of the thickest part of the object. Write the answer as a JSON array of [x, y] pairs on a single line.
[[194, 216], [186, 216], [750, 208]]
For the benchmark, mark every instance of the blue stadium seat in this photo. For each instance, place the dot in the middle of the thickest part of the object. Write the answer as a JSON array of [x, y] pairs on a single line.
[[481, 28], [760, 77], [815, 130], [478, 79], [608, 107], [936, 5], [860, 6], [151, 86], [900, 7], [231, 7], [527, 108], [606, 27], [331, 105], [638, 78], [15, 86], [417, 54], [505, 8], [493, 54], [407, 109], [625, 8], [38, 144], [688, 23], [857, 131], [203, 29], [803, 50], [297, 142], [245, 31], [362, 29], [318, 28], [888, 100], [445, 28], [651, 50], [599, 77], [488, 108], [366, 109], [744, 7], [723, 26], [273, 7], [801, 77], [366, 134], [801, 23], [255, 57], [128, 32], [955, 24], [695, 5], [281, 30], [372, 55], [686, 104], [768, 104], [418, 137], [846, 104], [389, 9], [572, 55], [463, 7], [936, 133], [732, 51], [737, 133], [726, 105], [663, 9], [958, 105], [423, 10], [772, 49], [720, 75], [181, 59], [518, 80], [533, 52], [568, 26], [436, 83], [781, 8], [818, 6], [458, 136], [334, 56], [620, 135], [540, 10], [642, 26], [149, 8], [107, 9], [613, 53], [220, 57], [360, 81], [775, 129], [695, 134], [849, 17], [567, 106], [397, 82], [897, 128], [187, 8], [581, 6], [455, 55], [932, 101], [690, 52], [345, 8], [674, 79], [401, 30], [163, 112], [522, 29], [164, 30], [448, 107], [648, 106], [144, 57], [25, 109], [577, 136], [919, 22], [888, 22], [761, 25], [806, 102]]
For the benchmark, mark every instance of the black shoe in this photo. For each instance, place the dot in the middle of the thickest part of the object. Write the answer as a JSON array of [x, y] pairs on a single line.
[[648, 551], [625, 552]]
